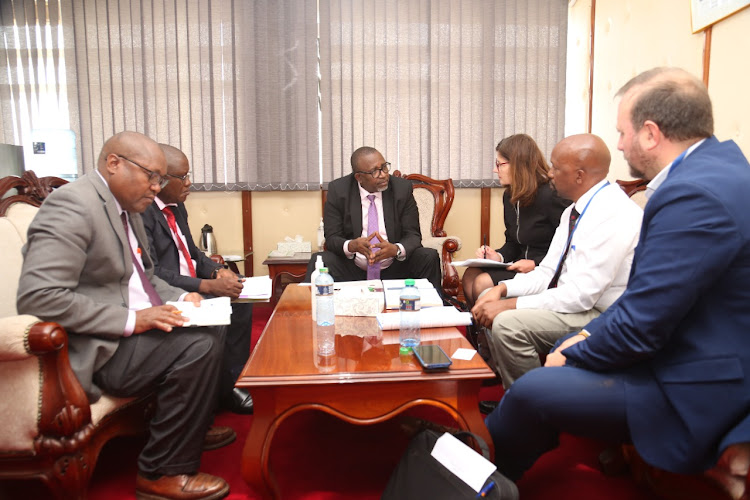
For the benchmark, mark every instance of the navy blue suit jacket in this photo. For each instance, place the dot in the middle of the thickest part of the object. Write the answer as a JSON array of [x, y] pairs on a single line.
[[165, 253], [343, 214], [681, 331]]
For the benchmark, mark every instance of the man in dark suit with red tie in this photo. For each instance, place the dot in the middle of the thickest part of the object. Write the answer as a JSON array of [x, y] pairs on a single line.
[[372, 226], [180, 263]]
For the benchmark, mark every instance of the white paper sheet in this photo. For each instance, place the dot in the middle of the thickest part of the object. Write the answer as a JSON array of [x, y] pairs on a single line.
[[464, 353], [471, 467], [257, 287], [217, 311]]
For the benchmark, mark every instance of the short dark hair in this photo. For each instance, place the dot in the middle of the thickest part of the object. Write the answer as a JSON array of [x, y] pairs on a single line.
[[675, 100], [528, 168], [364, 150]]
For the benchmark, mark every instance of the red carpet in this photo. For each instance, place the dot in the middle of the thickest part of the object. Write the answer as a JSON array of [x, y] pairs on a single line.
[[317, 457]]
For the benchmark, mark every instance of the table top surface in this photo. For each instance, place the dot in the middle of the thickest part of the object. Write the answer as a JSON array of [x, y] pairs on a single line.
[[297, 258], [286, 353]]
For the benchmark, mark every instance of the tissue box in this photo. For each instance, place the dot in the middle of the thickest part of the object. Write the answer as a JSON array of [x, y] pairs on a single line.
[[292, 247], [358, 301]]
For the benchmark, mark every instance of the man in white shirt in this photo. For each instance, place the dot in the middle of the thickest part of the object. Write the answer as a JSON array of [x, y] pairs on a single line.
[[585, 270]]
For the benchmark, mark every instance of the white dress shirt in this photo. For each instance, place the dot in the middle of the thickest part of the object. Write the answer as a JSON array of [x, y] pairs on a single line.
[[359, 259], [184, 269], [596, 270]]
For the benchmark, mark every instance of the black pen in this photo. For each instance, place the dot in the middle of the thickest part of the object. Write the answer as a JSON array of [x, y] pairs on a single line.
[[484, 244], [483, 492]]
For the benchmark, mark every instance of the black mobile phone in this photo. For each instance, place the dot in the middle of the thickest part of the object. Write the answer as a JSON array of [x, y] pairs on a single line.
[[432, 357]]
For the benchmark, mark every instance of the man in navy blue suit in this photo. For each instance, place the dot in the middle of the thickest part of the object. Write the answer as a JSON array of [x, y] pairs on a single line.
[[667, 367]]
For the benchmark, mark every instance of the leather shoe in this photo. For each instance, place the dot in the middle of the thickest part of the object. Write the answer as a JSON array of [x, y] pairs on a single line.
[[488, 407], [217, 436], [198, 486], [240, 401]]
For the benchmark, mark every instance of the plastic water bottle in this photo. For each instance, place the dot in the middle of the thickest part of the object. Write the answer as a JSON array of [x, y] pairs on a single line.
[[314, 276], [409, 305], [325, 328]]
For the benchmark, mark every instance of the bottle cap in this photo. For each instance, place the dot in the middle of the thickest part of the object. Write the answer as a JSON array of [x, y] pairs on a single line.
[[409, 282], [404, 350]]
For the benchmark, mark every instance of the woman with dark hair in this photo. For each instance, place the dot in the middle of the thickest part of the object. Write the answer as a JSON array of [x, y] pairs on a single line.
[[532, 213]]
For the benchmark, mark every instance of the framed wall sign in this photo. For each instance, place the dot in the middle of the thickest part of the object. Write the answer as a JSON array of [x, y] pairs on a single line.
[[704, 13]]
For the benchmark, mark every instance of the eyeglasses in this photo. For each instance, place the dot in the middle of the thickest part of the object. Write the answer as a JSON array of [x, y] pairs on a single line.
[[154, 178], [181, 177], [377, 172], [499, 164]]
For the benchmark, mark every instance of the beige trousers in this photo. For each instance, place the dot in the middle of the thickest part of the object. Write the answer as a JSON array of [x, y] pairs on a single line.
[[519, 336]]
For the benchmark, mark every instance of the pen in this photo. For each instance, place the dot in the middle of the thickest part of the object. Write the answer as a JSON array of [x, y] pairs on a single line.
[[483, 492], [484, 244]]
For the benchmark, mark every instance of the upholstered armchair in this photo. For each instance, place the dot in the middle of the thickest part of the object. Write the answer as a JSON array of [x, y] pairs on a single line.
[[50, 431], [434, 199]]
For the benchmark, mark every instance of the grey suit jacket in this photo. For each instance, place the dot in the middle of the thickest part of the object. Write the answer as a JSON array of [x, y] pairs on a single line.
[[76, 270]]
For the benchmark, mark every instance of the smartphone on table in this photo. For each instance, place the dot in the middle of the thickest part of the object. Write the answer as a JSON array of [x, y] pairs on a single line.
[[432, 357]]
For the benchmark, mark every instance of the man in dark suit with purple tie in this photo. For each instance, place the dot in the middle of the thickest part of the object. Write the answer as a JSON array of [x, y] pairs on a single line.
[[667, 367], [372, 226]]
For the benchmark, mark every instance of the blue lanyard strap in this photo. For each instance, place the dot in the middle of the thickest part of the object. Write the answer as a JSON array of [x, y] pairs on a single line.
[[677, 161], [575, 226]]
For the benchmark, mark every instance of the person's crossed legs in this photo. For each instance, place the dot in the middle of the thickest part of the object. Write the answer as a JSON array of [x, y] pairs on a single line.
[[519, 336]]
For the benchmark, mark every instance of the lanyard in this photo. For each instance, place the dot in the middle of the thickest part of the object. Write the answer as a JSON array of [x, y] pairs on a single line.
[[575, 226], [677, 161]]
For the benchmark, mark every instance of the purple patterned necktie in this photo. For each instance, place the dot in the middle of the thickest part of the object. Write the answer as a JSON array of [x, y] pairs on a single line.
[[147, 286], [373, 271]]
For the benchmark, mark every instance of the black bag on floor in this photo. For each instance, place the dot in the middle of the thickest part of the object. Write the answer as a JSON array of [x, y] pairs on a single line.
[[418, 475]]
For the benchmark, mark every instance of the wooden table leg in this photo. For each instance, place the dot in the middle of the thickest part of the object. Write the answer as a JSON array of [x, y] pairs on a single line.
[[256, 453]]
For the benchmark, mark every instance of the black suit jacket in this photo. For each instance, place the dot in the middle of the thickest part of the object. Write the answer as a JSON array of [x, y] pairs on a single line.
[[343, 214], [166, 254]]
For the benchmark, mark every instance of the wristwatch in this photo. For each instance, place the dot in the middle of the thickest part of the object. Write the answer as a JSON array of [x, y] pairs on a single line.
[[398, 252]]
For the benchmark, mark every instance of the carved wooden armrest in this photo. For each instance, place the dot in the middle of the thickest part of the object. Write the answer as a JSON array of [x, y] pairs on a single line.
[[63, 405]]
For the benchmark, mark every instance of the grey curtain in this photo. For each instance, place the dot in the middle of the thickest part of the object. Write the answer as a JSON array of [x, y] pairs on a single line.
[[435, 84]]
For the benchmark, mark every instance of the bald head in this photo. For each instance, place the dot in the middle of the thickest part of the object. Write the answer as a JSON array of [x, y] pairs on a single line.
[[133, 166], [178, 169], [174, 156], [578, 163]]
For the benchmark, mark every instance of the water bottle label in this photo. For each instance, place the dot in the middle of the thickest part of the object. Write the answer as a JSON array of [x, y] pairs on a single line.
[[409, 304], [324, 289]]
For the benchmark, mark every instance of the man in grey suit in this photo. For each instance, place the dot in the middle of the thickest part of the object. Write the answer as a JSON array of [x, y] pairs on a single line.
[[87, 267], [180, 263]]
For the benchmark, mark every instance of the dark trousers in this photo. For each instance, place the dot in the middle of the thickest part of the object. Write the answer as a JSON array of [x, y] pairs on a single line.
[[547, 401], [236, 348], [182, 368], [421, 263]]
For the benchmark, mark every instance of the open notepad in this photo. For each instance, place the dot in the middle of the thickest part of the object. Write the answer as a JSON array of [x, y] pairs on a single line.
[[256, 287], [217, 311]]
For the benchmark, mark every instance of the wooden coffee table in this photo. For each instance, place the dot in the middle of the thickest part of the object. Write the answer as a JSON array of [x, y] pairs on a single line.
[[366, 382]]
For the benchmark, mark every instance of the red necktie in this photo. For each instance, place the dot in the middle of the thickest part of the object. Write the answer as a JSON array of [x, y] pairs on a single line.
[[173, 226], [147, 286]]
